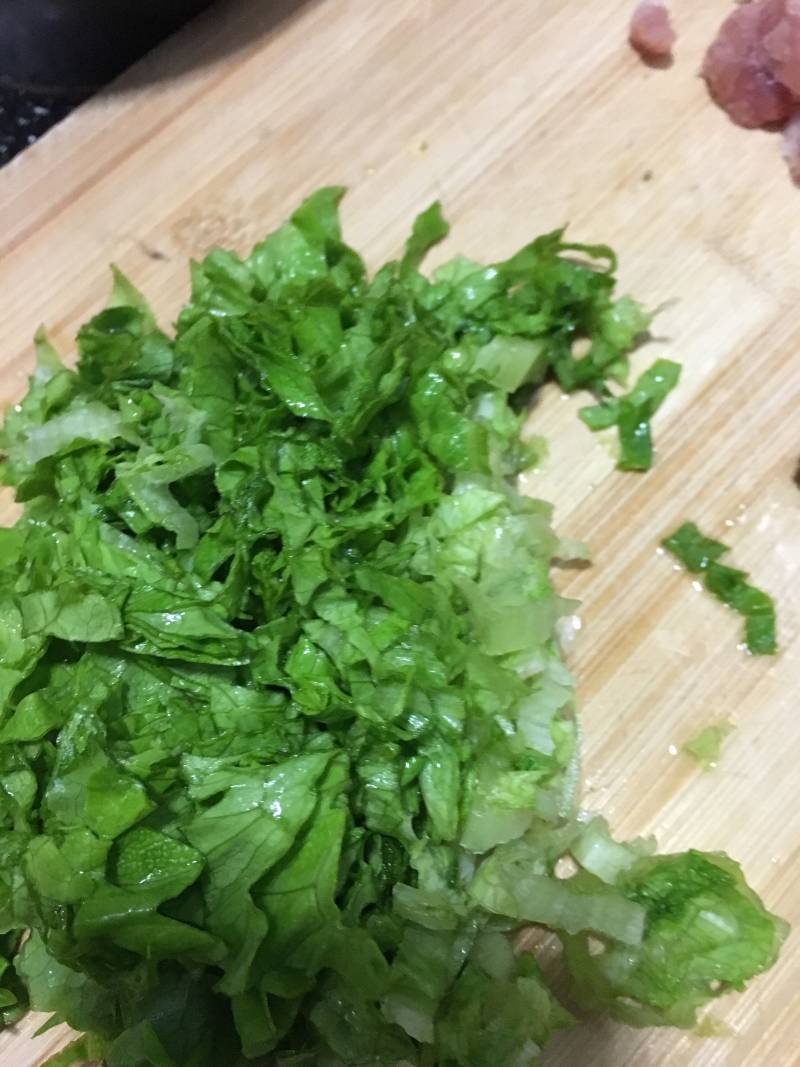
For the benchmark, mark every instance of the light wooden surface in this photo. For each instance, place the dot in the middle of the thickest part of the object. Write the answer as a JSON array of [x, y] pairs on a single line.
[[519, 116]]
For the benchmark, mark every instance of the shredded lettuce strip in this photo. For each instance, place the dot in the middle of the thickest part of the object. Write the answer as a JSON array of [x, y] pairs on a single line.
[[632, 412], [700, 555], [288, 748]]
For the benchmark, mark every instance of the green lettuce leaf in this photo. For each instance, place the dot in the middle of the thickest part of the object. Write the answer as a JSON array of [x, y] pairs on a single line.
[[705, 933], [631, 414], [288, 748], [706, 746], [700, 555]]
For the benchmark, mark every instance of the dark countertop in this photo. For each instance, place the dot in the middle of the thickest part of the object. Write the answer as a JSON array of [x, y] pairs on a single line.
[[24, 117]]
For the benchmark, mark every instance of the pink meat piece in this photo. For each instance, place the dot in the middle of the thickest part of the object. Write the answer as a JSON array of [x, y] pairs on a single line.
[[737, 67], [791, 147], [651, 32], [782, 47]]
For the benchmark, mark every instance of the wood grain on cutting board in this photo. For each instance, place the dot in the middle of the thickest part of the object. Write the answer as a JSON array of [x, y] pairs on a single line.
[[519, 117]]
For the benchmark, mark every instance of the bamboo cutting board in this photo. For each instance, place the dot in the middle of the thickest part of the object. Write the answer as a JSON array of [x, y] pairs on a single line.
[[519, 116]]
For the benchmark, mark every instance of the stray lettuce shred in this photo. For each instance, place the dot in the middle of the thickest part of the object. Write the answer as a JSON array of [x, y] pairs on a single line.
[[631, 414], [700, 555], [706, 746], [288, 748]]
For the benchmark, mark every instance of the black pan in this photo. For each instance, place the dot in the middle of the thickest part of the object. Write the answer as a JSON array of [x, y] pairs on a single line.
[[76, 45]]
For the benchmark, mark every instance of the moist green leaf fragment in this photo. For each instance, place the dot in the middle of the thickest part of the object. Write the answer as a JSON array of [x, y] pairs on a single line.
[[631, 414], [700, 555], [706, 746]]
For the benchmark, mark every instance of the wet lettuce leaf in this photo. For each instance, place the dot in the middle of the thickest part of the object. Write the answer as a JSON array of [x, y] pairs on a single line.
[[706, 746], [288, 749], [705, 932], [700, 555], [631, 414]]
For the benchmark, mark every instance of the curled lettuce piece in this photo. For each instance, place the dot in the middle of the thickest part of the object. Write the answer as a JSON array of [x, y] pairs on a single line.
[[700, 555], [706, 933]]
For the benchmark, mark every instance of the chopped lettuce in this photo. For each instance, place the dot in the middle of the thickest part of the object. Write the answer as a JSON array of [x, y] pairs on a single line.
[[288, 747], [705, 933], [631, 414], [706, 746], [700, 555]]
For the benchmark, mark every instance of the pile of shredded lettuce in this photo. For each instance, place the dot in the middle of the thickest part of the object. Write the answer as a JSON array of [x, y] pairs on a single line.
[[288, 751]]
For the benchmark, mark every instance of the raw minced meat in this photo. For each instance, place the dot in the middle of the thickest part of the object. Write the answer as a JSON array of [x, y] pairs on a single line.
[[739, 69], [752, 68], [651, 32], [791, 150], [782, 47]]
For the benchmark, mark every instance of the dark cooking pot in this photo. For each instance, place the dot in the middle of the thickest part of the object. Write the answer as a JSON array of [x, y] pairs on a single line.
[[74, 45]]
